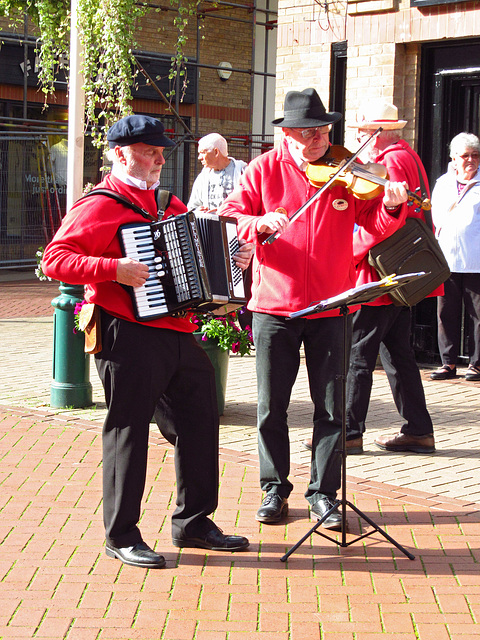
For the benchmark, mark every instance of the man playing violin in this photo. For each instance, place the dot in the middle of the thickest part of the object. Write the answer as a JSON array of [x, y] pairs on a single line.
[[310, 260], [380, 326]]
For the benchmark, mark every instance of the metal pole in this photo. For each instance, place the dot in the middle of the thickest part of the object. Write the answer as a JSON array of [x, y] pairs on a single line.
[[76, 116], [25, 66], [71, 365]]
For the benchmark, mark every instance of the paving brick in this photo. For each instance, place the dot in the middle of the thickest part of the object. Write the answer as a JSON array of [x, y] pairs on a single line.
[[57, 581]]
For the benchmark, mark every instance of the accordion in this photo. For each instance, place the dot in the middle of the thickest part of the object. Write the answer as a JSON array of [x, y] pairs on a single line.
[[190, 262]]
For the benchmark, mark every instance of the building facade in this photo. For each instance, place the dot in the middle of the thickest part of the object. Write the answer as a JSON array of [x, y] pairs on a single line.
[[231, 51], [421, 55]]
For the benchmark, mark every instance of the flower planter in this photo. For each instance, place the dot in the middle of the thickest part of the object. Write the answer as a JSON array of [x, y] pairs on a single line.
[[219, 358]]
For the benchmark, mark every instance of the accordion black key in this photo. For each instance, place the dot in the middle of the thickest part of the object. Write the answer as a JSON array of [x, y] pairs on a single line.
[[190, 262]]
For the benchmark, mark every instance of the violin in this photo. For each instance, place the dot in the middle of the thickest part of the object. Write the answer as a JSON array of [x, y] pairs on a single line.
[[364, 181]]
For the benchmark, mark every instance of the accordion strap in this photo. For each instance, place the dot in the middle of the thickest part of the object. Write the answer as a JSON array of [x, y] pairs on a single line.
[[162, 198]]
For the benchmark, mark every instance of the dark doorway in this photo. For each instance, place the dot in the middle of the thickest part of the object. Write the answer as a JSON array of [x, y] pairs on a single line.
[[449, 104], [449, 99]]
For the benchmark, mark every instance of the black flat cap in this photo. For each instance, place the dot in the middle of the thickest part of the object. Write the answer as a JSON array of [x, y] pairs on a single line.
[[133, 129], [305, 109]]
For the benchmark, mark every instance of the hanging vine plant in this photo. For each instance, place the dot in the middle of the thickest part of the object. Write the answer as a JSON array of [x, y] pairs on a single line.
[[52, 18], [186, 11], [107, 31]]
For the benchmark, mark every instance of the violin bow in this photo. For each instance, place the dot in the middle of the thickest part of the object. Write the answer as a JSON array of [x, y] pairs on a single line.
[[316, 195]]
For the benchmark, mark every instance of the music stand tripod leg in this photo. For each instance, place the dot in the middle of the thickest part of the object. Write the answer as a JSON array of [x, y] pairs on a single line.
[[343, 502], [309, 533], [380, 530]]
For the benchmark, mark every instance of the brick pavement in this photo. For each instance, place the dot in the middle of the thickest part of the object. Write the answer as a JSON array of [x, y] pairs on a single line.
[[56, 582], [27, 299]]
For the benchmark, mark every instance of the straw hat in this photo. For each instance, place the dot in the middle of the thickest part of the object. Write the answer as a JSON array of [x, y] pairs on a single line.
[[376, 114]]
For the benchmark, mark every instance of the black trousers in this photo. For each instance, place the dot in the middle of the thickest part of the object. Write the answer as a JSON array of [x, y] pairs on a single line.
[[459, 287], [141, 367], [385, 329], [277, 350]]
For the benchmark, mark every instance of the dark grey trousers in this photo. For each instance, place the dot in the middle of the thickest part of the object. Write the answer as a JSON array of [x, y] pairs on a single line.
[[277, 348], [460, 287], [385, 329]]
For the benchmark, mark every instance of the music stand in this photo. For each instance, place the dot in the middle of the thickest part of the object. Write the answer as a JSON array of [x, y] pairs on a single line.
[[363, 293]]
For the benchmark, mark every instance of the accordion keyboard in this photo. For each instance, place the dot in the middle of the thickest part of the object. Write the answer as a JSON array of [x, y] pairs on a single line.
[[171, 265], [150, 298], [190, 264]]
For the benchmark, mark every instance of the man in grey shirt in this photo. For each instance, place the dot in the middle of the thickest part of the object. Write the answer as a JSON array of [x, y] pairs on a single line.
[[219, 176]]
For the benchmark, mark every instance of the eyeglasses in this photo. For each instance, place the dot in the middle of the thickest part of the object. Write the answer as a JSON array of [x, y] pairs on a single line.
[[363, 134], [474, 156], [312, 131]]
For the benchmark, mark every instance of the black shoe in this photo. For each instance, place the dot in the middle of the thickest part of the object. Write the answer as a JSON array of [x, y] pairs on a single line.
[[473, 373], [444, 373], [139, 555], [273, 508], [334, 520], [307, 444], [214, 540]]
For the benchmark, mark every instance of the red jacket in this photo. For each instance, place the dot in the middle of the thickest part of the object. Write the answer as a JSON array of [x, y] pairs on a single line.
[[313, 259], [399, 159], [86, 248]]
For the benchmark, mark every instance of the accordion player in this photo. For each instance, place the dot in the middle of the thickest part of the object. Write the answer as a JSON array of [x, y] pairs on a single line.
[[190, 262]]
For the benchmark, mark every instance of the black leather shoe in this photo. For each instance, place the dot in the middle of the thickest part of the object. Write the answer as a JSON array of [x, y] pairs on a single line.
[[334, 520], [214, 540], [473, 373], [307, 444], [444, 373], [273, 508], [139, 555]]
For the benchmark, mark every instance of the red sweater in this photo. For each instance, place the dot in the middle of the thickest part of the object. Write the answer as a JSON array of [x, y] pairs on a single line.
[[399, 159], [86, 248], [313, 259]]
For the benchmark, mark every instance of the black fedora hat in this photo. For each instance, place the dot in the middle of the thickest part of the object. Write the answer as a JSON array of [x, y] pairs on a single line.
[[305, 109]]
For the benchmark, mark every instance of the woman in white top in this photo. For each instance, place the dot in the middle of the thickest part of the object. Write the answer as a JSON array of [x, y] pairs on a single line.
[[456, 216]]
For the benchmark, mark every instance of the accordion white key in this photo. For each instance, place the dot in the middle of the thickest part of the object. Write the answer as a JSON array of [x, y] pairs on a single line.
[[190, 262]]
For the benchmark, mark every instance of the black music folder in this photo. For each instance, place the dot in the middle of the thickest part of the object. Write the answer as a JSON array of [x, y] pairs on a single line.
[[357, 295]]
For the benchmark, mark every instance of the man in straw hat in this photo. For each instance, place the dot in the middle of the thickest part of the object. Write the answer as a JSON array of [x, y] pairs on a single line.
[[380, 326], [311, 259]]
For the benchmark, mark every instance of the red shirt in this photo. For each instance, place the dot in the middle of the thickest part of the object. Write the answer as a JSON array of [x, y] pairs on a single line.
[[401, 163], [313, 259], [86, 248]]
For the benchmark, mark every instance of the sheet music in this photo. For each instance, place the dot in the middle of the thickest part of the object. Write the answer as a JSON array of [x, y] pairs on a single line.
[[363, 293]]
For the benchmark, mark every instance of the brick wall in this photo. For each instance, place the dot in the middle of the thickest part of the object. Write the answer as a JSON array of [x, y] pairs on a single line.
[[384, 41]]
